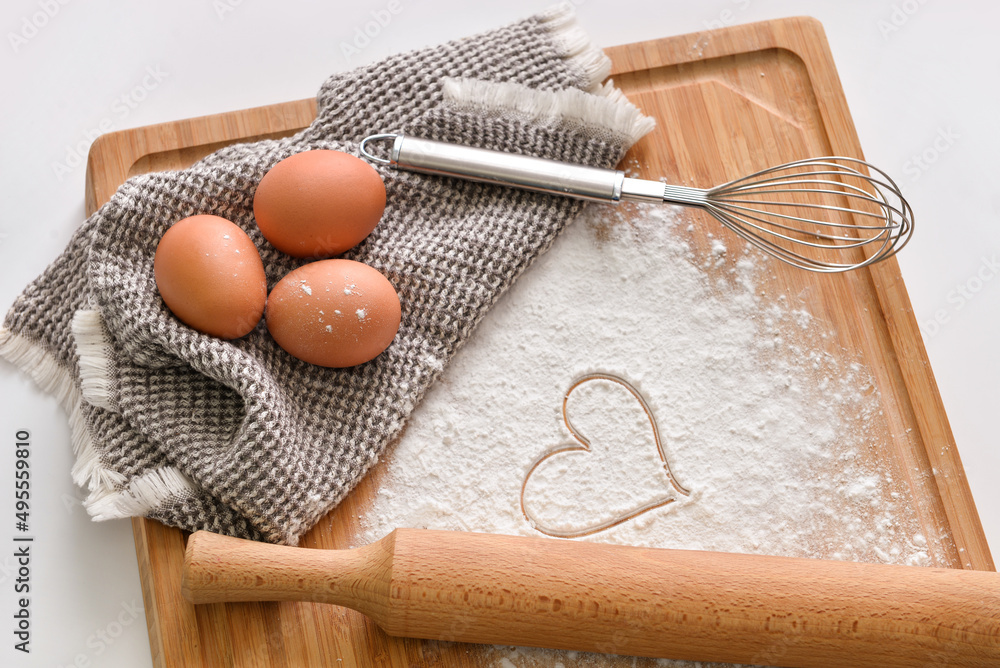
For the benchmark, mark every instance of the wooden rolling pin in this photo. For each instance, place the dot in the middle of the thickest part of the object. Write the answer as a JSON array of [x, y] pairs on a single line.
[[681, 604]]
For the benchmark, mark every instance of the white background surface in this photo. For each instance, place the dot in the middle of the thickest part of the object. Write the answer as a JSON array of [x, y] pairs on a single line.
[[921, 79]]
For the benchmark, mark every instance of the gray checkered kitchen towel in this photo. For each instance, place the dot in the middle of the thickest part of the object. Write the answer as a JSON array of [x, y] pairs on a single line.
[[237, 436]]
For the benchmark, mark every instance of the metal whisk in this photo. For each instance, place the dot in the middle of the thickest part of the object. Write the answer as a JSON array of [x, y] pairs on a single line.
[[828, 214]]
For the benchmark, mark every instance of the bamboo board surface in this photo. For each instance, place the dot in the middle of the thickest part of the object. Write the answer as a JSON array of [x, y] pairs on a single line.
[[727, 102]]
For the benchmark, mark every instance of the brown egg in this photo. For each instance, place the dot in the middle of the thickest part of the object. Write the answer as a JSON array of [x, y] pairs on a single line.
[[210, 276], [333, 313], [318, 203]]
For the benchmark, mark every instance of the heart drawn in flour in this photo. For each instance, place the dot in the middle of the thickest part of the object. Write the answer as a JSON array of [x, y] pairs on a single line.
[[614, 470]]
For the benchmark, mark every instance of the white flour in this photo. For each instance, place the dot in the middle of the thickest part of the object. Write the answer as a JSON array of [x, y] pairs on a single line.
[[770, 435]]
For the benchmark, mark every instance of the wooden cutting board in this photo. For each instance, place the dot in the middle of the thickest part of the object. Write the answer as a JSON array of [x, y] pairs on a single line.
[[727, 102]]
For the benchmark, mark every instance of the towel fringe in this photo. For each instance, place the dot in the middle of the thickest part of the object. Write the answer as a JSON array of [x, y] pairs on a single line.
[[143, 494], [575, 44], [39, 365], [108, 497], [608, 110], [96, 382]]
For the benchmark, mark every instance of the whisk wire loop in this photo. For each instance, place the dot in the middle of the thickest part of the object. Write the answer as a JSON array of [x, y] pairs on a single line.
[[768, 227], [815, 205]]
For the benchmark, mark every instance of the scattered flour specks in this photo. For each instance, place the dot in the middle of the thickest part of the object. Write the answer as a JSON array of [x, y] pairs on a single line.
[[769, 429]]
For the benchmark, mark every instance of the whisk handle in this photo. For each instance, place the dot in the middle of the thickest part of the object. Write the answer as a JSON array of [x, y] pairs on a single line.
[[506, 169], [511, 169]]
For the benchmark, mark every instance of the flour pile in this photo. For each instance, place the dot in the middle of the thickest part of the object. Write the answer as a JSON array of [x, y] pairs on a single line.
[[766, 431], [768, 435]]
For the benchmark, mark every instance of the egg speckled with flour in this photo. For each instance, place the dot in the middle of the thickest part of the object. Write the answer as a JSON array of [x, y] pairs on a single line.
[[318, 203], [210, 276], [333, 313]]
